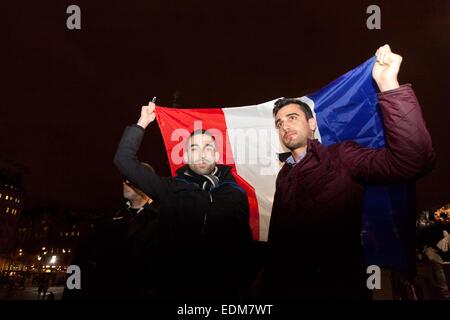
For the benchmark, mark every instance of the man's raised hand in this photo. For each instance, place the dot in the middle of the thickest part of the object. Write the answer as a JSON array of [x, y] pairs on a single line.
[[386, 68], [147, 115]]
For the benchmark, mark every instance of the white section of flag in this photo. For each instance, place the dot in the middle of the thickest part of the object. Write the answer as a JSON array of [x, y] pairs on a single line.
[[255, 146]]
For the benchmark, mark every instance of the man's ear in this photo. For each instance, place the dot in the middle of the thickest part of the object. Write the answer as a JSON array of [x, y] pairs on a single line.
[[312, 124]]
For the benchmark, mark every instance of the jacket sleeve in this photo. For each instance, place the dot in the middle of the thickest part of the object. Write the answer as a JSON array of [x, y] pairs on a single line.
[[139, 174], [408, 154]]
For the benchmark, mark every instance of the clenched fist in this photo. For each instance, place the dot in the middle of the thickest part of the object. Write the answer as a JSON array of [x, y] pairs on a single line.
[[386, 68], [147, 115]]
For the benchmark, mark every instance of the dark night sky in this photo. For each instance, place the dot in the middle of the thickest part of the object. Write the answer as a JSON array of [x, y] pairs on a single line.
[[68, 95]]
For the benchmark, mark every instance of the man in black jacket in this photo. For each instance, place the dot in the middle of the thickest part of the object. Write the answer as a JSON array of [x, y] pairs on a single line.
[[203, 234], [117, 257]]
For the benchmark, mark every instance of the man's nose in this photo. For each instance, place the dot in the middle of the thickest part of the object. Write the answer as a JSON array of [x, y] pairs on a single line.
[[204, 154], [285, 127]]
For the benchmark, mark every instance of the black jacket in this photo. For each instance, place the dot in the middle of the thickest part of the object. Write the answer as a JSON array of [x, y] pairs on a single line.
[[203, 236]]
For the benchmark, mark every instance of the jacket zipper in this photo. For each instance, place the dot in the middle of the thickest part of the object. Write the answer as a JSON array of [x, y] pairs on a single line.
[[205, 216]]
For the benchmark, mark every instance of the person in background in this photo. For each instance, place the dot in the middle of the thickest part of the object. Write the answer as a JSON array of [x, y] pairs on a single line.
[[116, 259]]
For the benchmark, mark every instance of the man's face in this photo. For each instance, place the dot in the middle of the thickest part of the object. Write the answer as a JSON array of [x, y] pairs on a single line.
[[130, 192], [293, 127], [201, 154]]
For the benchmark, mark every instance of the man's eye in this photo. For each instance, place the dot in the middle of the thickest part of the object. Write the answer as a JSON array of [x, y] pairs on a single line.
[[292, 117]]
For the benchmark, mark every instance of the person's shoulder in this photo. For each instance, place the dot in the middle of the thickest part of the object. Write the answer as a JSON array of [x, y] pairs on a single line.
[[227, 179], [151, 209], [345, 145], [234, 186], [225, 171], [344, 151], [344, 148]]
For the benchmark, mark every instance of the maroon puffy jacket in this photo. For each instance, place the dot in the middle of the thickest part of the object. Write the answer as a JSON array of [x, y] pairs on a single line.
[[316, 217]]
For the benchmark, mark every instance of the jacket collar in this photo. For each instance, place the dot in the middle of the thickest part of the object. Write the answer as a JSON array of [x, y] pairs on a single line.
[[314, 147], [223, 172]]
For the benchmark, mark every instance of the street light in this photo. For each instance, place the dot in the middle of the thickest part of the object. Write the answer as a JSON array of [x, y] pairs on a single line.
[[53, 260]]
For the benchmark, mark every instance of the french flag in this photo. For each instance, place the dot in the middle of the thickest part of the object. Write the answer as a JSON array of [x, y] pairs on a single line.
[[345, 109]]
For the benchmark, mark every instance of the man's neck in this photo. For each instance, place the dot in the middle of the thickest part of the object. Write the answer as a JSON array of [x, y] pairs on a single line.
[[297, 153], [137, 204]]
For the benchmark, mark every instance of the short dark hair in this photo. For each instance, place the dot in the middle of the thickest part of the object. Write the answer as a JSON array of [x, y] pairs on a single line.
[[280, 103], [199, 131]]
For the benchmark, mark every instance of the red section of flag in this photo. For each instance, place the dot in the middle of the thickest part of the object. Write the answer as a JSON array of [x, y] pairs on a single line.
[[177, 124]]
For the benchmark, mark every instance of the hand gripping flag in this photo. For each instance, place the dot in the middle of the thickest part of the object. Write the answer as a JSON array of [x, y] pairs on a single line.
[[246, 138]]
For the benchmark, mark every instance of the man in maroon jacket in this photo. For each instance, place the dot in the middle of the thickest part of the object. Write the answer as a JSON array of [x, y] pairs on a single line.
[[314, 235]]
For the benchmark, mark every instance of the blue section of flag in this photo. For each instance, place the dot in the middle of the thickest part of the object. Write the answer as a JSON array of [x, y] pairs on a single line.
[[346, 109]]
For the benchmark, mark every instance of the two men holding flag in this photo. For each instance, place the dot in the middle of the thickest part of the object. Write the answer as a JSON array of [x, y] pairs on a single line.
[[314, 235]]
